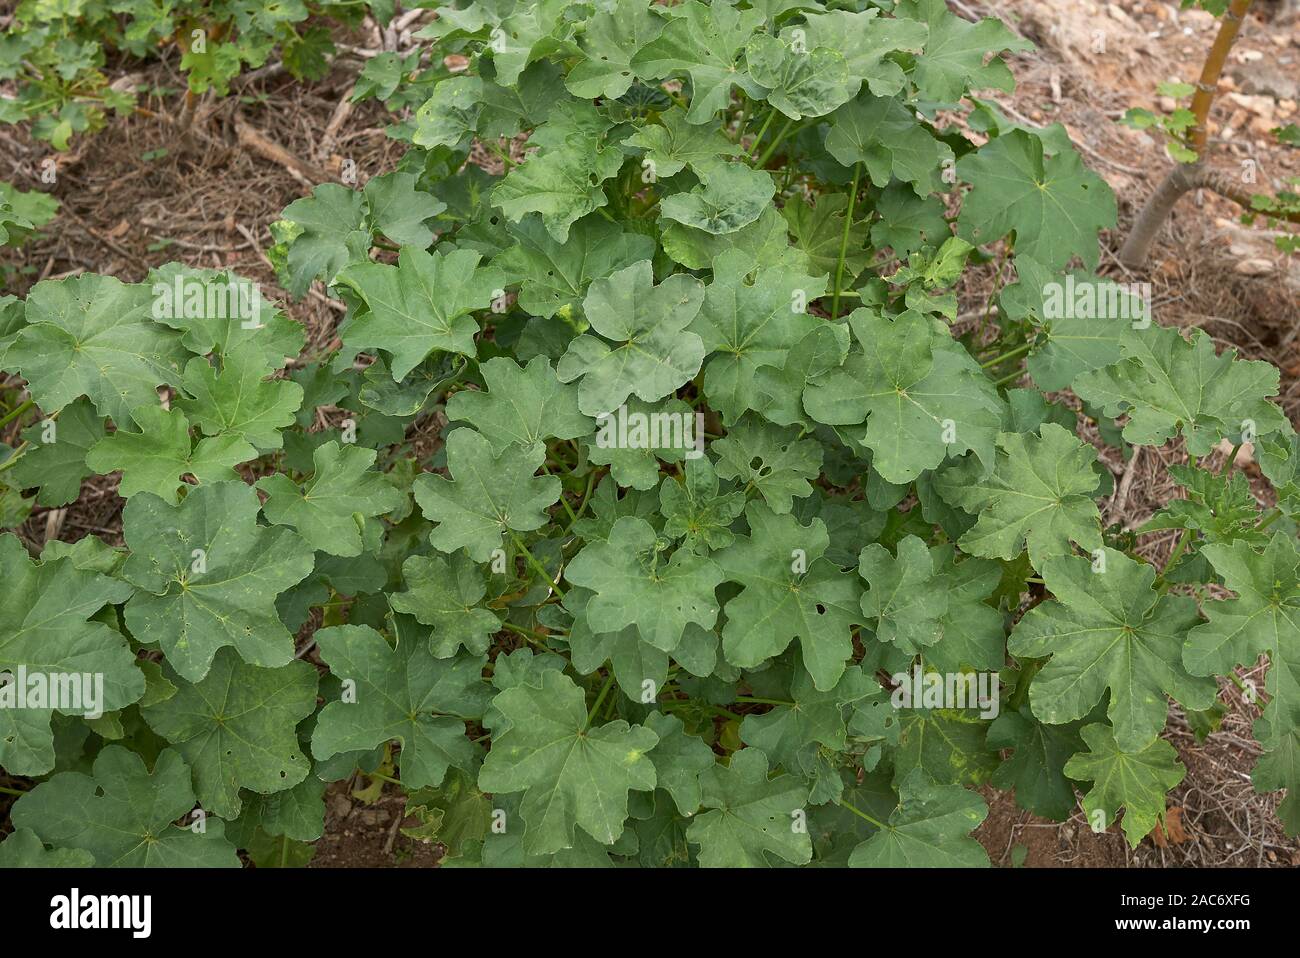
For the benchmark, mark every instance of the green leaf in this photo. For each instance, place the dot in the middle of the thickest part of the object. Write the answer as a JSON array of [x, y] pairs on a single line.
[[23, 849], [1279, 767], [1082, 320], [1036, 766], [236, 729], [217, 311], [487, 495], [885, 136], [450, 115], [865, 40], [655, 354], [1108, 629], [634, 585], [678, 758], [1054, 204], [800, 82], [747, 322], [554, 276], [729, 196], [674, 143], [973, 633], [773, 460], [92, 335], [237, 401], [45, 630], [819, 231], [520, 405], [901, 594], [633, 452], [154, 459], [59, 465], [1169, 385], [752, 818], [454, 815], [421, 304], [906, 223], [1263, 619], [404, 695], [949, 745], [695, 511], [1040, 494], [444, 594], [1135, 781], [571, 775], [609, 41], [817, 717], [333, 234], [563, 180], [704, 43], [123, 815], [790, 590], [329, 509], [930, 828], [921, 394], [206, 577], [955, 52]]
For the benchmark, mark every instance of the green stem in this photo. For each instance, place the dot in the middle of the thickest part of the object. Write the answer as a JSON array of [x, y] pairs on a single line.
[[1009, 378], [12, 460], [505, 157], [563, 501], [1027, 673], [1174, 556], [582, 506], [762, 130], [670, 704], [383, 778], [997, 285], [1227, 466], [751, 700], [1018, 351], [863, 815], [604, 690], [780, 137], [531, 636], [12, 791], [1270, 518], [844, 241], [519, 543], [17, 412]]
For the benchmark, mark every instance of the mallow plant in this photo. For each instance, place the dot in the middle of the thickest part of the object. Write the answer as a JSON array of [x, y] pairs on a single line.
[[654, 501]]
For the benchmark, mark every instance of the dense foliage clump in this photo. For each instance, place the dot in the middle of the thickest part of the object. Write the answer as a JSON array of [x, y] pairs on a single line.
[[738, 545]]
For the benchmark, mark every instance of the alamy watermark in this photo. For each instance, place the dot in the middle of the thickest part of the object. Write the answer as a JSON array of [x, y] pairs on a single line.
[[947, 690], [622, 429], [71, 692], [75, 911], [188, 297], [1098, 299]]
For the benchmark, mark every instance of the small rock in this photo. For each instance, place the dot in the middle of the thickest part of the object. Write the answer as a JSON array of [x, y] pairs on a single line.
[[1167, 104], [1262, 126], [1245, 455], [340, 806], [1255, 266]]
